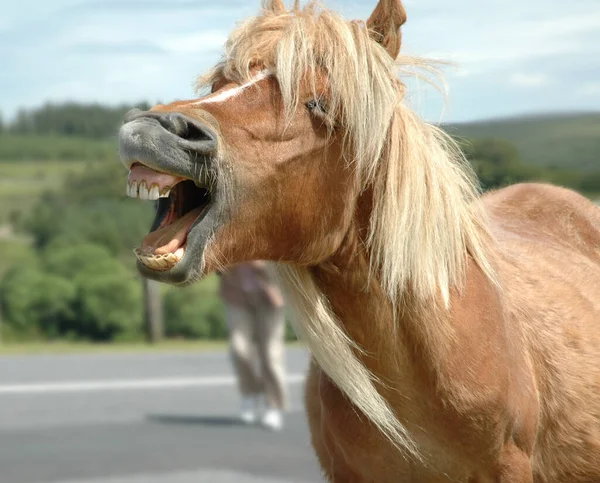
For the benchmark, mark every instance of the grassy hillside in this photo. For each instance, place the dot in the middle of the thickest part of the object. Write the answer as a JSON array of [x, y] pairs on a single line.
[[50, 296], [31, 164], [561, 140], [22, 182], [51, 147]]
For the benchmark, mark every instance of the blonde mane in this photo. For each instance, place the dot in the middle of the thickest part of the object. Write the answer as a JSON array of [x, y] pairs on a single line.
[[426, 219]]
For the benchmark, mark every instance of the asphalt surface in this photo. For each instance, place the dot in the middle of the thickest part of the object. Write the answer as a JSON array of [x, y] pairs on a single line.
[[143, 418]]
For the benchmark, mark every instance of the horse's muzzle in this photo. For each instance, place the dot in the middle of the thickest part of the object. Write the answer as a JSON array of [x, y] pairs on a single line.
[[166, 141]]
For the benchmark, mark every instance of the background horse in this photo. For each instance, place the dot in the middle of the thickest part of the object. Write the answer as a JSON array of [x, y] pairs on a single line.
[[455, 338]]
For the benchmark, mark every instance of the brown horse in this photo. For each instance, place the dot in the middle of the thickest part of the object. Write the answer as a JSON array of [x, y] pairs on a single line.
[[455, 337]]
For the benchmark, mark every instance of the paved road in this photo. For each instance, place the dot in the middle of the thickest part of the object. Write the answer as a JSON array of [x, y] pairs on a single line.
[[142, 418]]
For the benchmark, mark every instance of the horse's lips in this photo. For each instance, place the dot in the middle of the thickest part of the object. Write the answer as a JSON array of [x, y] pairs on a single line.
[[171, 237]]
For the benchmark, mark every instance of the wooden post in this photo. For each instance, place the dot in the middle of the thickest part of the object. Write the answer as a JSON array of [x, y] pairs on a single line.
[[153, 316]]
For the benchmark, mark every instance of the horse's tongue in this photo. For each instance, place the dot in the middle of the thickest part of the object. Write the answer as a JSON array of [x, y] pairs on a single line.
[[169, 238], [141, 173]]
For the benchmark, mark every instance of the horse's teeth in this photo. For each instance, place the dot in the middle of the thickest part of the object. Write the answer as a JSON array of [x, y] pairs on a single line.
[[133, 190], [153, 262], [143, 193], [154, 194], [160, 262]]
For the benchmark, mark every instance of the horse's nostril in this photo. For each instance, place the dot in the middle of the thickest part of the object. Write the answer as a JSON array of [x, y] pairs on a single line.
[[186, 127], [176, 123], [195, 131]]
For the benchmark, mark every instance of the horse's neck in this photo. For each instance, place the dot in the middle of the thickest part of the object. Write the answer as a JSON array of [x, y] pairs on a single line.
[[417, 346], [399, 344]]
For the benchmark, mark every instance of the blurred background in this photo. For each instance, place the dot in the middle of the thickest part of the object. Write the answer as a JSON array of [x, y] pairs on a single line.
[[105, 377]]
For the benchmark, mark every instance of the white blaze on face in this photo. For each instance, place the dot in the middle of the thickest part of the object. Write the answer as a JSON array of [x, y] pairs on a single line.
[[233, 92]]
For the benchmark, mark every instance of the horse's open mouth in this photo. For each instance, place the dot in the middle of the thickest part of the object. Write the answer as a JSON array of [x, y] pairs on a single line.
[[182, 203]]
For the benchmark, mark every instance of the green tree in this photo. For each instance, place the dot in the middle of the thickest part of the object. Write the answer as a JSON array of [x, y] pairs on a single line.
[[22, 124], [37, 303], [77, 291], [591, 183], [84, 233], [109, 304], [73, 119], [67, 260], [497, 163], [108, 295], [91, 207], [43, 223], [195, 312]]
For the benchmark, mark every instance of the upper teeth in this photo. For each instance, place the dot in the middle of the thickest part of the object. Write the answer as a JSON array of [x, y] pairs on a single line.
[[142, 192]]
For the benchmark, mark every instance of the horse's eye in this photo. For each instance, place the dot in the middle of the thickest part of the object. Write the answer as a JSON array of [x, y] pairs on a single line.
[[316, 106]]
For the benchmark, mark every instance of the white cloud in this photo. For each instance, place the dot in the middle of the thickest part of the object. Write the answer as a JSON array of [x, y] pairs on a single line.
[[528, 80], [127, 50], [204, 41], [590, 89], [475, 42]]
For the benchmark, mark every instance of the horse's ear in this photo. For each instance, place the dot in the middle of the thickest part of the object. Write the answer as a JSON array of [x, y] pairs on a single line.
[[275, 6], [384, 25]]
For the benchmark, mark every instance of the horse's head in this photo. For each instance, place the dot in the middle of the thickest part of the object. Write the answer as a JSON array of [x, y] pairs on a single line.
[[271, 162]]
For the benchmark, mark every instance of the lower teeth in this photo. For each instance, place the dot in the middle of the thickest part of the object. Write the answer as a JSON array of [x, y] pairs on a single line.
[[159, 262]]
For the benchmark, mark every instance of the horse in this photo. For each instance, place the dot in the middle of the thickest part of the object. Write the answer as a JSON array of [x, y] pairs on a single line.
[[454, 334]]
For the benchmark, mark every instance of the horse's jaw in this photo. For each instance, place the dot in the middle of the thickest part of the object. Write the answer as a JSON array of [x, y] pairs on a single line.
[[182, 175]]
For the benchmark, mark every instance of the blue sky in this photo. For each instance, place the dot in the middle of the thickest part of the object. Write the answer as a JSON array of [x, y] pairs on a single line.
[[512, 56]]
